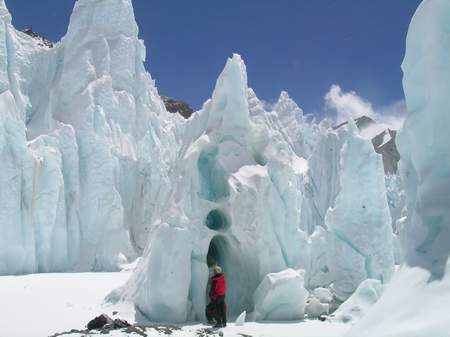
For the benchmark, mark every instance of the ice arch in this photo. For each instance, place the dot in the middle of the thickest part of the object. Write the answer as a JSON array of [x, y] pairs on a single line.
[[238, 272]]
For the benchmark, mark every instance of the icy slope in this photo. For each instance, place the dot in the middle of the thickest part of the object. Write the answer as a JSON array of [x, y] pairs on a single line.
[[420, 290]]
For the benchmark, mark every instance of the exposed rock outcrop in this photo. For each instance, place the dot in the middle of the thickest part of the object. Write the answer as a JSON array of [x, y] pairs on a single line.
[[176, 106], [41, 41]]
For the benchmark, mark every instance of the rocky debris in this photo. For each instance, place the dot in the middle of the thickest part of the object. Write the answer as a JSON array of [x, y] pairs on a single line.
[[99, 322], [176, 106], [209, 332], [106, 323], [41, 41], [130, 330], [71, 332]]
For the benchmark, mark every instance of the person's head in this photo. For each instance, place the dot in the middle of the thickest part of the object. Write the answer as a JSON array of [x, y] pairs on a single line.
[[217, 270]]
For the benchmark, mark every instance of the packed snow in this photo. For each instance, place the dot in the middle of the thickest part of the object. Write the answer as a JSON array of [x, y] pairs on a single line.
[[45, 304]]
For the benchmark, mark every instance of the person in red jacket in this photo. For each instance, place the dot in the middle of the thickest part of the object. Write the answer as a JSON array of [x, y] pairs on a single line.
[[217, 308]]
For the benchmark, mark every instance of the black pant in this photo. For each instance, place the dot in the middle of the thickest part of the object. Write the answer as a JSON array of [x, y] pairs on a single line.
[[221, 310], [210, 311]]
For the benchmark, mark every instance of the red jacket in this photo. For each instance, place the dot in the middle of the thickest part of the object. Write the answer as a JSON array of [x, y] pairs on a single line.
[[218, 287]]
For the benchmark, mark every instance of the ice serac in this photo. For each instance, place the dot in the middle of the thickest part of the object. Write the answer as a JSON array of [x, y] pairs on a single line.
[[360, 221], [86, 144], [18, 167], [425, 163], [229, 100], [230, 169], [87, 96], [103, 91], [421, 289], [321, 185], [286, 118]]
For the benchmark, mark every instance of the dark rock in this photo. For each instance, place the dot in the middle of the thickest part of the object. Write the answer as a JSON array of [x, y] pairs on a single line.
[[41, 41], [176, 106], [106, 323], [388, 151], [322, 318], [100, 322], [120, 324]]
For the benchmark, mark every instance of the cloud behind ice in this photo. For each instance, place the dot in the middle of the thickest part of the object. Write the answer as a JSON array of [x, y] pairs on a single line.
[[343, 105]]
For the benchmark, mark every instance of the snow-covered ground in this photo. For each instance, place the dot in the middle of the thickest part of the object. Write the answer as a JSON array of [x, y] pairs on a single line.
[[44, 304]]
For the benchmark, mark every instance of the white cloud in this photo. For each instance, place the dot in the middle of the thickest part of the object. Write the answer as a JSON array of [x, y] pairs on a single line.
[[347, 105]]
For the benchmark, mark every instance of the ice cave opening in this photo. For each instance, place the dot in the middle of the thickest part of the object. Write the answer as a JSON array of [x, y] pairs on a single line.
[[217, 220], [226, 253]]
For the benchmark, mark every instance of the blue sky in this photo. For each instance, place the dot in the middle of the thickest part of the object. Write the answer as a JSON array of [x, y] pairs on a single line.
[[302, 46]]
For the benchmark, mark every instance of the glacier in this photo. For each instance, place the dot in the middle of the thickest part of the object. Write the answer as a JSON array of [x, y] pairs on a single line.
[[95, 173]]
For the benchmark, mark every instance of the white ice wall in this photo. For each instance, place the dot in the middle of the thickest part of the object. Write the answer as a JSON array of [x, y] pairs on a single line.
[[89, 180], [417, 298], [360, 221]]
